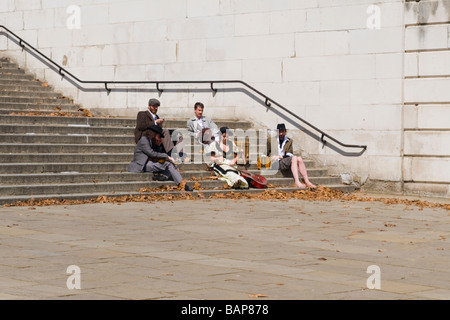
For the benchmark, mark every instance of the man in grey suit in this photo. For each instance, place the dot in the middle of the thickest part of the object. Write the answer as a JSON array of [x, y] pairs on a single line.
[[147, 159], [198, 126]]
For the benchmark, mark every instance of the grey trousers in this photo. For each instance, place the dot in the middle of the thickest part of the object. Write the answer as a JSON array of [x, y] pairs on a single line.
[[167, 168]]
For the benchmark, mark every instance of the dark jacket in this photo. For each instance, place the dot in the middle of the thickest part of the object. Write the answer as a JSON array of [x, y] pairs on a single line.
[[142, 152], [143, 121]]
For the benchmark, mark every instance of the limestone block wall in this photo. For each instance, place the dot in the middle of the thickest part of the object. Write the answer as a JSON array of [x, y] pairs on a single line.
[[366, 72], [427, 97]]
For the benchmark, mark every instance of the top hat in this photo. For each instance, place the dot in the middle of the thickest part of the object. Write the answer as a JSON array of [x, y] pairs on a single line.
[[281, 127], [157, 129], [226, 130]]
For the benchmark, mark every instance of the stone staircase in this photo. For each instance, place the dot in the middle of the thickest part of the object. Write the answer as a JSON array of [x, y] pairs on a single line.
[[51, 148]]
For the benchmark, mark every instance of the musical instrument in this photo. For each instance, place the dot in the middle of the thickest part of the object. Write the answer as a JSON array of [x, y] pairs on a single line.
[[254, 180]]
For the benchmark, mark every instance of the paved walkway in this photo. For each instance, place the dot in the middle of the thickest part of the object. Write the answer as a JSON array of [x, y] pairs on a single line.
[[225, 249]]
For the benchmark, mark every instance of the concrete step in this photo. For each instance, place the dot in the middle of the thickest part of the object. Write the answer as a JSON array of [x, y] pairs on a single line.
[[316, 174], [127, 186], [126, 196], [178, 123], [58, 167], [73, 121], [9, 108], [6, 64], [29, 83], [56, 112], [66, 148], [49, 110], [11, 70], [106, 187], [41, 94], [28, 86], [65, 139], [64, 157], [13, 76], [101, 121], [35, 100], [71, 177], [112, 166], [64, 129]]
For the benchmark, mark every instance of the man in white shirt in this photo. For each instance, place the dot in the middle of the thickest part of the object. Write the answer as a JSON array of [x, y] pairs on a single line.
[[198, 126]]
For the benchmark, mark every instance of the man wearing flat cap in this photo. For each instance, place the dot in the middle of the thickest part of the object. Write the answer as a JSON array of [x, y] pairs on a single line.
[[149, 117], [147, 158], [286, 158]]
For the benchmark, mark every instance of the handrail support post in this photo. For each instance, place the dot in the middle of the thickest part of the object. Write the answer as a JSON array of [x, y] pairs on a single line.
[[322, 139], [157, 88], [212, 88]]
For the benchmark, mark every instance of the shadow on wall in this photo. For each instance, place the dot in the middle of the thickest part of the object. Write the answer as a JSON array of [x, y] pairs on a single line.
[[315, 134]]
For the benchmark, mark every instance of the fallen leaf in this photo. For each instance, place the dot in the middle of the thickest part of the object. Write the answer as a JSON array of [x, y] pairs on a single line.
[[389, 225], [355, 232], [258, 295], [321, 194]]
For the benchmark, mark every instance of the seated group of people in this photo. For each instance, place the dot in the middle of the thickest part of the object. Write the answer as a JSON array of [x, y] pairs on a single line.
[[155, 148]]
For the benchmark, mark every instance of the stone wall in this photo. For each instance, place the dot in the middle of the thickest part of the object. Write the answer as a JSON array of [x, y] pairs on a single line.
[[426, 137]]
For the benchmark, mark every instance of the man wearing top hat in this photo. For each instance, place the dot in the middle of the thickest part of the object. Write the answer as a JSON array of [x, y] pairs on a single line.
[[286, 158], [149, 117], [147, 158]]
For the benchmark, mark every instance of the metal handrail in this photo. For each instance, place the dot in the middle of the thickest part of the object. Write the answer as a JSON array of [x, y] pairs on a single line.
[[268, 101]]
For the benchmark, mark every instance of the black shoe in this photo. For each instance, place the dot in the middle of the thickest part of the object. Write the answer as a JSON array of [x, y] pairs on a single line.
[[187, 188], [159, 177]]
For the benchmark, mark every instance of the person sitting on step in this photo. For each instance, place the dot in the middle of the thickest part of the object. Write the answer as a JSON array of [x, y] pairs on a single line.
[[203, 129], [147, 158], [223, 160], [287, 160], [149, 117]]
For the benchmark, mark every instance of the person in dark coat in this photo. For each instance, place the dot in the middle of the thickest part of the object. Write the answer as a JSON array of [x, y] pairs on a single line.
[[149, 117], [147, 158]]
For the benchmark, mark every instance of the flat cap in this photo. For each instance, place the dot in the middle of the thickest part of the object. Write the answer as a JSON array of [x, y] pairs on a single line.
[[154, 102]]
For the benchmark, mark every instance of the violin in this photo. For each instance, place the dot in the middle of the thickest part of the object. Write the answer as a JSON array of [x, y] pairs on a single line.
[[254, 180]]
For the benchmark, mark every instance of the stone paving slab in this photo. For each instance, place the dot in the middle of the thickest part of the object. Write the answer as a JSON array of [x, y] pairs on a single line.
[[225, 249]]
